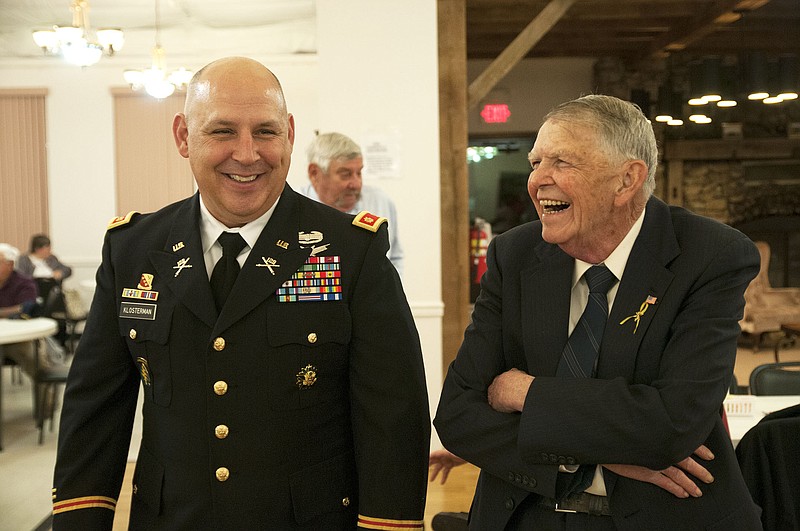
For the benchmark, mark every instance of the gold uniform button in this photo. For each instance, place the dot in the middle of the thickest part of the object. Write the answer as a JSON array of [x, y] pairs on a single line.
[[345, 502], [219, 344], [221, 431], [132, 333], [312, 338], [220, 387], [223, 474]]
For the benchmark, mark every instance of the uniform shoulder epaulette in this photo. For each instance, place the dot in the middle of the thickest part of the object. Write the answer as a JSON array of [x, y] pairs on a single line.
[[368, 221], [121, 220]]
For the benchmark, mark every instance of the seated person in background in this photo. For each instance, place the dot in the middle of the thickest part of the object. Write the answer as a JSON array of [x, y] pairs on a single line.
[[17, 290], [41, 263], [47, 271], [17, 295], [334, 169]]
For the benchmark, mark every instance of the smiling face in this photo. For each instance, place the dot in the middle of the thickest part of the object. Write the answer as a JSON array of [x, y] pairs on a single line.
[[340, 187], [238, 137], [583, 197]]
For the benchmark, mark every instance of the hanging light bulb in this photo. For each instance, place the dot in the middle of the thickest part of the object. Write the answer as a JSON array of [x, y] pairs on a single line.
[[77, 44], [155, 80]]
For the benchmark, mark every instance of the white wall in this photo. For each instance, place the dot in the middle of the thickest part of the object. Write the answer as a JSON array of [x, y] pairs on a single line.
[[378, 71]]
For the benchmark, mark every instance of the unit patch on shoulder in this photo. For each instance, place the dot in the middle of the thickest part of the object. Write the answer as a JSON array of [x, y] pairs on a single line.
[[368, 221], [121, 220]]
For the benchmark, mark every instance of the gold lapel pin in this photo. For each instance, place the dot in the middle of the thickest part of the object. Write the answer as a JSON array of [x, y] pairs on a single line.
[[638, 315]]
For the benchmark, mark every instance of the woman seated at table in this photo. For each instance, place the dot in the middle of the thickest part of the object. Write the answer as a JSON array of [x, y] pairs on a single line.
[[41, 262]]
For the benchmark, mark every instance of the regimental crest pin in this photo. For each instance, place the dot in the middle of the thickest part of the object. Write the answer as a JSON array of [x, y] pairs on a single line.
[[306, 377], [146, 282]]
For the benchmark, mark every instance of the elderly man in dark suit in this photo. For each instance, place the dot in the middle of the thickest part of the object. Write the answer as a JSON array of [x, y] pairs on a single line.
[[288, 396], [584, 419]]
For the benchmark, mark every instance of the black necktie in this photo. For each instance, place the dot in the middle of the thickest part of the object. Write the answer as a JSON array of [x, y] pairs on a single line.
[[224, 274], [579, 358]]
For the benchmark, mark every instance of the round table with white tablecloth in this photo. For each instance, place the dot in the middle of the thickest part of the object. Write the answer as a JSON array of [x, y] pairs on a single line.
[[19, 331]]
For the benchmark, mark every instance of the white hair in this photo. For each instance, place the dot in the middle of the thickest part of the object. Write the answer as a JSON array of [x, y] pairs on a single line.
[[331, 146], [9, 252]]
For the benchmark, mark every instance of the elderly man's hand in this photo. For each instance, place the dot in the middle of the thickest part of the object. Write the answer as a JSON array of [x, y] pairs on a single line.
[[508, 391], [672, 479]]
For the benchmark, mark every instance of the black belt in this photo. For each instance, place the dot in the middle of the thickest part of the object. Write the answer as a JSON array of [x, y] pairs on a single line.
[[579, 503]]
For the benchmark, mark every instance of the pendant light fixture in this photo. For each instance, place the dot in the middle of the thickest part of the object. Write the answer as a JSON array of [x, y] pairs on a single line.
[[78, 44], [155, 80]]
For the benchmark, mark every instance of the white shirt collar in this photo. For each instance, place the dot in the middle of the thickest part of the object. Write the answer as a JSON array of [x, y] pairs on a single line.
[[618, 258], [211, 227]]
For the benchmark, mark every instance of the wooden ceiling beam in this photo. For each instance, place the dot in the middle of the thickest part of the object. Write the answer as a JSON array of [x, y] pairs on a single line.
[[720, 13], [514, 52]]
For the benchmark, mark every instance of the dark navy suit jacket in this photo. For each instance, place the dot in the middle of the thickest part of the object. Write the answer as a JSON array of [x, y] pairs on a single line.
[[658, 389]]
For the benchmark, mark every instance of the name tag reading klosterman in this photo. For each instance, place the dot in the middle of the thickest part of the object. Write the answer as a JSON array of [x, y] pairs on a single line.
[[138, 310]]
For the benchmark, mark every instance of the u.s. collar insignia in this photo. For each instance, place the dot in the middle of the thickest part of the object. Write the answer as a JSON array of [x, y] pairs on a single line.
[[177, 247], [306, 377], [146, 282], [638, 315]]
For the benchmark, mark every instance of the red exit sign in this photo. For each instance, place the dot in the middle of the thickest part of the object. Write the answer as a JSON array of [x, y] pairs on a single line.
[[495, 113]]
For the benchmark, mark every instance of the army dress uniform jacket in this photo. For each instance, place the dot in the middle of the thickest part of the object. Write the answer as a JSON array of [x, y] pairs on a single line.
[[665, 363], [291, 409]]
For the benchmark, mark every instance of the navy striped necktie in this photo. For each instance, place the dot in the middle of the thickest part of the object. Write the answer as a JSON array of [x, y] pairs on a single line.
[[579, 358]]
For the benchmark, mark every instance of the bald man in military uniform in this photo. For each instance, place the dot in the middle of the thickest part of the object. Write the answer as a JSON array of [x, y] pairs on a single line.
[[299, 401]]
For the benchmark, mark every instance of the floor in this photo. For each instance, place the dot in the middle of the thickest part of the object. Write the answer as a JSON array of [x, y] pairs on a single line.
[[26, 468]]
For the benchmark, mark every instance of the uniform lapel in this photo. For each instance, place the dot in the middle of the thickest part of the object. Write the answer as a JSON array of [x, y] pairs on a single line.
[[276, 256], [546, 308], [646, 275], [181, 266]]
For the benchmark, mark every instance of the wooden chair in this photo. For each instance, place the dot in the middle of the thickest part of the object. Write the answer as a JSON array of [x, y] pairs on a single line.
[[767, 308]]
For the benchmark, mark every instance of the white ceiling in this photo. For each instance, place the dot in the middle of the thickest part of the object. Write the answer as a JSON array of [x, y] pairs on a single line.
[[190, 29]]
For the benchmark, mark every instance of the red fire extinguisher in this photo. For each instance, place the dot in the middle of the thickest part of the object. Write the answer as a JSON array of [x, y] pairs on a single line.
[[479, 235]]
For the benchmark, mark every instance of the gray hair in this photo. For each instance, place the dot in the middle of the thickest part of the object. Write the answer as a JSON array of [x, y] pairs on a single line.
[[331, 146], [623, 129], [8, 252]]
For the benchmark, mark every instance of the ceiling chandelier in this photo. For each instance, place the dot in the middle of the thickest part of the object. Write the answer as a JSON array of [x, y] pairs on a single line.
[[77, 44], [155, 80]]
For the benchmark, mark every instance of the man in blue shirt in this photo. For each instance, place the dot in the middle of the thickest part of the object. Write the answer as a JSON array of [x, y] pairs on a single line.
[[335, 162]]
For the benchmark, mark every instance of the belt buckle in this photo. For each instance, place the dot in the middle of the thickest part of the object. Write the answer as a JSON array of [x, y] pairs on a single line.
[[559, 510]]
